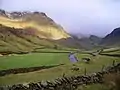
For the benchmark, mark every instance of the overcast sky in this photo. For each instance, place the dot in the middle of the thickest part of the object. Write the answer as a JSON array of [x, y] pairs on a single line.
[[78, 16]]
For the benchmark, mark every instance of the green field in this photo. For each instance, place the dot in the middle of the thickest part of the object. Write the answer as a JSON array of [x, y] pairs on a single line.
[[112, 50], [39, 59], [31, 60]]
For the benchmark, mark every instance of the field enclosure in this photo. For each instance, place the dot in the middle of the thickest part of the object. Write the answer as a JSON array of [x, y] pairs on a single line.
[[40, 59]]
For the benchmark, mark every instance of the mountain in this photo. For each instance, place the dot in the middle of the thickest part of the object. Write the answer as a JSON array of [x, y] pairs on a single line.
[[112, 39], [26, 31], [79, 35], [87, 42], [90, 42], [95, 39], [14, 40], [46, 27]]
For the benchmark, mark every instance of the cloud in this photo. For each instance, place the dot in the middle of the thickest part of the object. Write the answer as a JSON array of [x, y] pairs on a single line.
[[0, 3], [85, 16]]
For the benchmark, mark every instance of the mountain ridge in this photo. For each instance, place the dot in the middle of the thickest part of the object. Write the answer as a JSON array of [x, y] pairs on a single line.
[[28, 31], [36, 20], [112, 39]]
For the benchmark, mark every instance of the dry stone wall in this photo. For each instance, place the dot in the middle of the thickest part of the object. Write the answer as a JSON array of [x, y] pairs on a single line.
[[25, 70], [66, 83]]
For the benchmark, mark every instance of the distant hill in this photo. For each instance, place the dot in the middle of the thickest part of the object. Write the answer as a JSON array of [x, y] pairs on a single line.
[[90, 42], [87, 42], [112, 39], [79, 35], [25, 31], [95, 39]]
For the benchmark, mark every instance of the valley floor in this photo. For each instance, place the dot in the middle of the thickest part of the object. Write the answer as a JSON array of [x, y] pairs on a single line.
[[39, 59]]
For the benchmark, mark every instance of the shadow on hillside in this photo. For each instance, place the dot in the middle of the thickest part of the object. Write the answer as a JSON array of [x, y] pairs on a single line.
[[25, 70]]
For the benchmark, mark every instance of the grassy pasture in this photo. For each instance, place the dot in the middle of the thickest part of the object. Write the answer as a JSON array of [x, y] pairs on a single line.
[[39, 59], [110, 50], [31, 60], [113, 52]]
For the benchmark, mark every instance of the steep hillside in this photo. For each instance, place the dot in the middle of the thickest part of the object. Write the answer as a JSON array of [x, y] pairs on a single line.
[[46, 27], [112, 39], [26, 31], [15, 40]]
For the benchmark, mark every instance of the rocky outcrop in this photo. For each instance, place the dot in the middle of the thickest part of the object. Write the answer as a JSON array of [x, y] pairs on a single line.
[[66, 83]]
